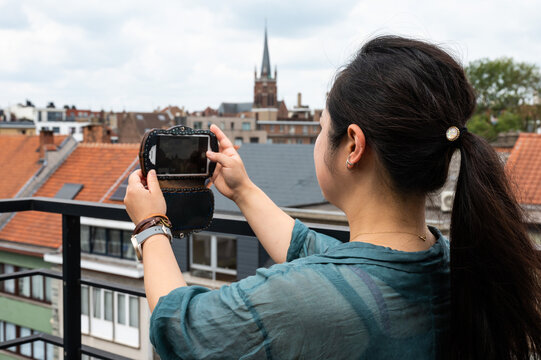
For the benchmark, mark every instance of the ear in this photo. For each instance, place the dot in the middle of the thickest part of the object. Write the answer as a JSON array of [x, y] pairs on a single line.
[[356, 143]]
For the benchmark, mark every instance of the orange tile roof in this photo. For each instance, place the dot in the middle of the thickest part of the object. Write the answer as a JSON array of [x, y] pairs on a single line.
[[98, 167], [503, 150], [524, 168], [19, 158]]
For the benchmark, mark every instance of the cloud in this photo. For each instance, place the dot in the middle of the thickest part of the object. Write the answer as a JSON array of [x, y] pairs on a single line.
[[138, 55]]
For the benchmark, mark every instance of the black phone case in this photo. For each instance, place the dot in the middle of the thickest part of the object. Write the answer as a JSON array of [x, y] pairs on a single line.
[[151, 137], [190, 204]]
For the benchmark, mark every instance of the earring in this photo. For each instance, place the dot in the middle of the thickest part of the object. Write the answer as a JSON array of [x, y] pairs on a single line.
[[349, 165]]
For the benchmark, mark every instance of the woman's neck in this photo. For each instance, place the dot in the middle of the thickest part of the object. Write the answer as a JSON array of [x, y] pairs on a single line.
[[380, 218]]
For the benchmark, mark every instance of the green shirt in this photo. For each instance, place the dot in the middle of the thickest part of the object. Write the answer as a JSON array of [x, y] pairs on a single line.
[[330, 299]]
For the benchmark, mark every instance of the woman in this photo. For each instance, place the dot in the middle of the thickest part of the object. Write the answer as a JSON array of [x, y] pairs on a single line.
[[395, 115]]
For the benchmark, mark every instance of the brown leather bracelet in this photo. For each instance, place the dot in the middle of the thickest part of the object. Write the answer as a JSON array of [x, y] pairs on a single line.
[[152, 221]]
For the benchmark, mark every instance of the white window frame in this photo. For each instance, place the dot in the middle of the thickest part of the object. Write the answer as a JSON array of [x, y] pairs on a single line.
[[213, 268], [99, 327], [124, 333]]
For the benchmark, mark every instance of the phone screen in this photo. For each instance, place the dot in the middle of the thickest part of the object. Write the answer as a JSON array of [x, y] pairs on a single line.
[[182, 155]]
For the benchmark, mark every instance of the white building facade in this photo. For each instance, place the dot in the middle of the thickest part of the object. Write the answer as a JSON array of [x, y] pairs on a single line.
[[46, 119]]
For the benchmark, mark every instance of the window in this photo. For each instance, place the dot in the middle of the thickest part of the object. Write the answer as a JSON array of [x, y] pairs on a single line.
[[105, 241], [254, 140], [34, 287], [232, 126], [197, 125], [139, 117], [299, 141], [85, 309], [222, 125], [281, 128], [291, 129], [54, 116], [305, 129], [35, 350], [238, 141], [39, 115], [213, 257], [161, 117], [246, 126], [56, 129], [9, 285], [272, 128], [269, 141], [72, 130], [270, 100], [109, 315]]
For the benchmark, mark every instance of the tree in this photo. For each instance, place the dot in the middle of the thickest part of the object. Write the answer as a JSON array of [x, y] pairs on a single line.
[[508, 121], [480, 124], [503, 84]]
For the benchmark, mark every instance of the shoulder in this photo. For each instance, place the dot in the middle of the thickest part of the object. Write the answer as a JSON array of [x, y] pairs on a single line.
[[306, 242]]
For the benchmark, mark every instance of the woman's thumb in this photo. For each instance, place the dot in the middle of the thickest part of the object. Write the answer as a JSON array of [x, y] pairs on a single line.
[[223, 159], [152, 181]]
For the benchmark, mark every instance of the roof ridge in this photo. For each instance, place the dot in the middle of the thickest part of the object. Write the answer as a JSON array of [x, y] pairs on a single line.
[[107, 145]]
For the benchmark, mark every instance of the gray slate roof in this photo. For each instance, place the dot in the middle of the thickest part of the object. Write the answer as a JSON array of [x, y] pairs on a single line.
[[285, 172], [234, 108]]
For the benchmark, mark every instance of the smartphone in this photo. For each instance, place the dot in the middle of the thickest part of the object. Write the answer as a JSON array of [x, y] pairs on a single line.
[[181, 155]]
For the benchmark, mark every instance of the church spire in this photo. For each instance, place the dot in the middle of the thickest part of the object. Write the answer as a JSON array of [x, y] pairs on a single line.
[[265, 65]]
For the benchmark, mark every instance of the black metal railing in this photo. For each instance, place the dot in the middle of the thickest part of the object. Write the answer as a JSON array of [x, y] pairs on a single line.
[[71, 211]]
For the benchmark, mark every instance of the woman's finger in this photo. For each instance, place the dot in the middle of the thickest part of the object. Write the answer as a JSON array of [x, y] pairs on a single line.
[[152, 181], [224, 142], [135, 179]]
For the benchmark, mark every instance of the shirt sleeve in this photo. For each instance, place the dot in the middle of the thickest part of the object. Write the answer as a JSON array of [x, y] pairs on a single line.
[[193, 322], [274, 314], [306, 242]]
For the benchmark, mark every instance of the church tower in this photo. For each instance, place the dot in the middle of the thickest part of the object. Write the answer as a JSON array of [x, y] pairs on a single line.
[[265, 91]]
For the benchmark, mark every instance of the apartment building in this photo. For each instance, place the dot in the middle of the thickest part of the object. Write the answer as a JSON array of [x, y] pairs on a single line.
[[26, 303], [239, 129]]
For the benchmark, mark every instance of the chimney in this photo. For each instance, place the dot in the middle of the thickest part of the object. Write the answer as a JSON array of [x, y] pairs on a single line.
[[46, 142], [96, 133], [299, 100]]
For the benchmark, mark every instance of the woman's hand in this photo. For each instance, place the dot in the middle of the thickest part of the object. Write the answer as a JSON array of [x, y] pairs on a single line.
[[230, 176], [142, 202]]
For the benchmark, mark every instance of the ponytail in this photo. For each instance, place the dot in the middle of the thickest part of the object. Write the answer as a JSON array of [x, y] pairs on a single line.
[[495, 268]]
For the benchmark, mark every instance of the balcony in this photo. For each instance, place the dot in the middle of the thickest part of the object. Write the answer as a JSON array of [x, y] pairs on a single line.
[[72, 211]]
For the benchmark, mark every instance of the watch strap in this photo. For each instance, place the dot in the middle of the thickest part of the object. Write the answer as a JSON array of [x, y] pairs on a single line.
[[139, 239]]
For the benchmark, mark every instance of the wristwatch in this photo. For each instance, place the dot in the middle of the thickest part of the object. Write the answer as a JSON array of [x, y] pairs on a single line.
[[138, 239]]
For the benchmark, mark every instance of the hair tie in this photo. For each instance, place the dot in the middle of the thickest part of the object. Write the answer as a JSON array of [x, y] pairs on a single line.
[[453, 133]]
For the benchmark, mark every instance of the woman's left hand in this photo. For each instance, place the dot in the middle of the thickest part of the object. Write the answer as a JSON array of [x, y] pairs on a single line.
[[142, 202]]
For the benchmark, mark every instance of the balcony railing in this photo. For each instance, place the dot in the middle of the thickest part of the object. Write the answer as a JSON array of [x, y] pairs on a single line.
[[72, 211]]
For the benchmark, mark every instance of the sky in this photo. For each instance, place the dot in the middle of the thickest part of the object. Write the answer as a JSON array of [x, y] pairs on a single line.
[[140, 55]]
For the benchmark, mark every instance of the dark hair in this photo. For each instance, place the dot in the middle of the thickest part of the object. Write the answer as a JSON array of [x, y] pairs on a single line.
[[404, 94]]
